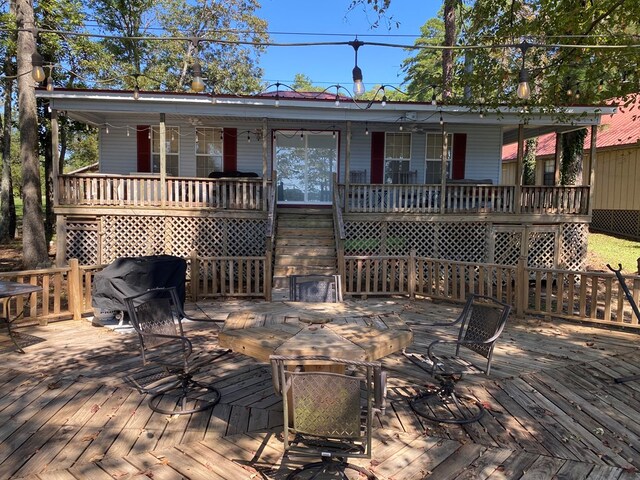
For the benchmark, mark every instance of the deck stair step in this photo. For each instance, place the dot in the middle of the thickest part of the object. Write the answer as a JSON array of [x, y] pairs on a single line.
[[304, 243]]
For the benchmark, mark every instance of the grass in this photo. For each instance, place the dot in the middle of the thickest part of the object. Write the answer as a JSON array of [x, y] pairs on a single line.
[[603, 249]]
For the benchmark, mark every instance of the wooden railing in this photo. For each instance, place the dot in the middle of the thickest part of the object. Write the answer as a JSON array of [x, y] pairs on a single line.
[[338, 229], [555, 200], [66, 293], [594, 297], [147, 191], [479, 198], [465, 198], [368, 198], [228, 277]]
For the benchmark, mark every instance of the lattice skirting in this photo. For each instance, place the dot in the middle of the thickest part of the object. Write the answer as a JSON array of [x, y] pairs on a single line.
[[618, 222], [113, 236], [551, 246]]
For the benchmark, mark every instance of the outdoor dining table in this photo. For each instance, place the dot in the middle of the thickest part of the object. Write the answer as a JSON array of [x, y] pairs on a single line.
[[364, 338], [9, 290]]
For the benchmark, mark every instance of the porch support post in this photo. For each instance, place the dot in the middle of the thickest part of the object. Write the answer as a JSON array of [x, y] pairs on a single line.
[[265, 167], [519, 160], [61, 241], [163, 160], [557, 159], [443, 169], [55, 156], [592, 166], [347, 165]]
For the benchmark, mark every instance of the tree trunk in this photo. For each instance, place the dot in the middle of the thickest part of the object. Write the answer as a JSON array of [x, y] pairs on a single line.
[[50, 218], [7, 205], [572, 152], [449, 41], [34, 244]]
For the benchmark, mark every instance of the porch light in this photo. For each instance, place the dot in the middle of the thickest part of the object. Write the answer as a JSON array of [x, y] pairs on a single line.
[[37, 71], [524, 91], [358, 86]]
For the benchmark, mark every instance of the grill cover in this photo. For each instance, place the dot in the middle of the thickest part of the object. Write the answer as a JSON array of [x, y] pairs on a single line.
[[131, 275]]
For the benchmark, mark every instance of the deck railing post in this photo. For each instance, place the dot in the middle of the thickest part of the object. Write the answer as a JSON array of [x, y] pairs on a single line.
[[268, 275], [195, 275], [521, 287], [412, 274], [75, 289]]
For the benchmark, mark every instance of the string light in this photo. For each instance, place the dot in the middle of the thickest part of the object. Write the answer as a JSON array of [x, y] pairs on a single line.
[[366, 128], [37, 72], [523, 91], [358, 86], [50, 85], [433, 96], [337, 102]]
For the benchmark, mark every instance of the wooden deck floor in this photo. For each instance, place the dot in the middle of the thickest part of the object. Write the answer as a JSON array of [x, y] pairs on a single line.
[[554, 409]]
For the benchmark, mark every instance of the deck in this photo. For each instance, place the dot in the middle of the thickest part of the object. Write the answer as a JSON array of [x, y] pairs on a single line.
[[554, 408]]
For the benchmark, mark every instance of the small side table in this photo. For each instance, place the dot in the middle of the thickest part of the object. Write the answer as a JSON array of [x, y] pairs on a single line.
[[9, 290]]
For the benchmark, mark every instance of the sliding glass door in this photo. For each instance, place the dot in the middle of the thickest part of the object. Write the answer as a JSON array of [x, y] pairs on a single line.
[[305, 162]]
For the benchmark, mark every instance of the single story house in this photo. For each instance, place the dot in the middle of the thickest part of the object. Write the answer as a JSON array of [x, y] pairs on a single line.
[[216, 176]]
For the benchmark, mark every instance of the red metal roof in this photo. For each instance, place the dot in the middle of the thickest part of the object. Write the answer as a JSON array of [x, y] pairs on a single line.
[[621, 128]]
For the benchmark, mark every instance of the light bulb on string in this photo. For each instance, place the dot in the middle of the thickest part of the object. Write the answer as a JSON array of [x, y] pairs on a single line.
[[358, 86]]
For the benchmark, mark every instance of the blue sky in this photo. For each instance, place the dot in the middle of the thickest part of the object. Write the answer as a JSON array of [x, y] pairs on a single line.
[[328, 65]]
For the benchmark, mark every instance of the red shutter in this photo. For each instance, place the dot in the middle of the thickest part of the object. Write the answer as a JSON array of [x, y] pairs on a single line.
[[377, 157], [144, 148], [458, 156], [230, 149]]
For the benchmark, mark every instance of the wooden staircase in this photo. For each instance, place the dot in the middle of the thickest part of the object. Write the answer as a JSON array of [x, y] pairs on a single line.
[[304, 244]]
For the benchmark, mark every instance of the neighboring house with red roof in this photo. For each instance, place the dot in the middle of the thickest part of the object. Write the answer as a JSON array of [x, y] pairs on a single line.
[[616, 187]]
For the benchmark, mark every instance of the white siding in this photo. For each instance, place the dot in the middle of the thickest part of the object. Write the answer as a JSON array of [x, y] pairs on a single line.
[[118, 152]]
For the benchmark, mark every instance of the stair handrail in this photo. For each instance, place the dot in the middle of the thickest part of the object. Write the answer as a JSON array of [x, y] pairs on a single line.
[[338, 230], [270, 236]]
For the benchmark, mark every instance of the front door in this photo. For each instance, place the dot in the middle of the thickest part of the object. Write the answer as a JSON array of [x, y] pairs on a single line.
[[305, 162]]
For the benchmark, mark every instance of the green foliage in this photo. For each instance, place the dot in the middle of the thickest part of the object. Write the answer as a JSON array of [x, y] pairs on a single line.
[[572, 151], [529, 162], [486, 73], [83, 150], [302, 83]]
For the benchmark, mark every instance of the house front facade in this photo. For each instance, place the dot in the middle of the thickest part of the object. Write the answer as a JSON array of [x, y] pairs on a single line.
[[209, 176]]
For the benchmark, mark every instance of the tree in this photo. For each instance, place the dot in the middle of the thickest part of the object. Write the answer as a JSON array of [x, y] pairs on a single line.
[[34, 245], [7, 206], [302, 83]]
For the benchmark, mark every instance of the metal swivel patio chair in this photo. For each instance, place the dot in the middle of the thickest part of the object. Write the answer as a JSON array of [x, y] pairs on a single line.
[[480, 324], [328, 415], [315, 288], [157, 316]]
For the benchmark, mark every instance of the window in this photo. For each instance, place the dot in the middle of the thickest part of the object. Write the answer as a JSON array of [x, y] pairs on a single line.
[[172, 146], [208, 151], [397, 157], [549, 172], [433, 170]]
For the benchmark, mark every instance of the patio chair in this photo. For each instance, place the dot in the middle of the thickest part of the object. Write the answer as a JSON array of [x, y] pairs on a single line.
[[358, 176], [156, 315], [315, 288], [328, 415], [480, 324]]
